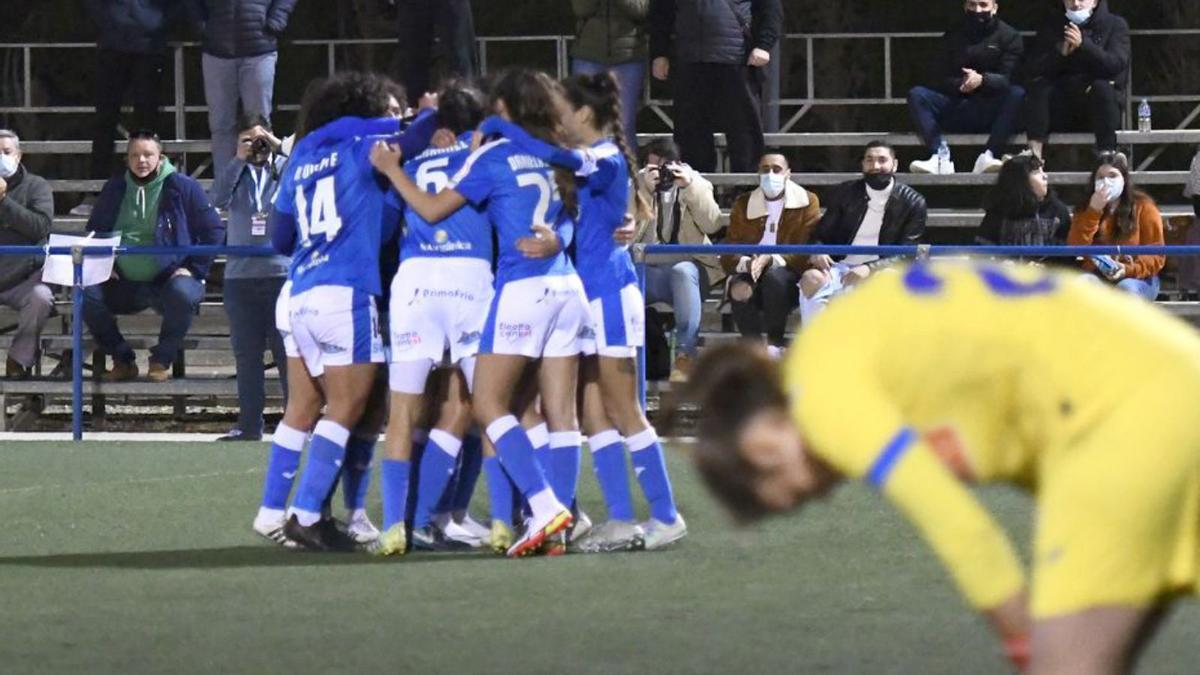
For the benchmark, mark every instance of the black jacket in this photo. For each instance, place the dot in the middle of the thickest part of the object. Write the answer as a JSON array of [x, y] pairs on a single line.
[[1048, 226], [994, 54], [1104, 54], [132, 26], [26, 213], [241, 28], [903, 217], [713, 31]]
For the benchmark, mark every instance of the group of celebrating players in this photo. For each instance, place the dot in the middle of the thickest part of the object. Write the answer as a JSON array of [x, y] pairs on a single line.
[[513, 318]]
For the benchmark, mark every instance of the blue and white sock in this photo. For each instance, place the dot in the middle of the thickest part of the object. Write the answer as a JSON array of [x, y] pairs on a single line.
[[564, 457], [325, 456], [393, 489], [500, 490], [282, 464], [539, 438], [612, 474], [651, 469], [356, 474], [516, 455], [469, 465], [437, 468]]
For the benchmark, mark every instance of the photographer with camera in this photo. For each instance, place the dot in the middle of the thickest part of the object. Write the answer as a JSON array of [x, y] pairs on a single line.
[[245, 187], [764, 288], [683, 211]]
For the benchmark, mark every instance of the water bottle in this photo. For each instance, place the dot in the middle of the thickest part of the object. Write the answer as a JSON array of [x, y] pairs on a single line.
[[1144, 116], [943, 157]]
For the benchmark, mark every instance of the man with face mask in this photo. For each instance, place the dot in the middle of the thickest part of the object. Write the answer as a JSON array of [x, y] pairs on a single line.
[[1078, 67], [245, 187], [972, 90], [26, 212], [763, 289], [874, 210]]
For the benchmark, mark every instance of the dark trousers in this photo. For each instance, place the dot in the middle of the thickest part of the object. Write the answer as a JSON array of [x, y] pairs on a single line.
[[996, 114], [776, 294], [116, 73], [420, 21], [1074, 104], [717, 97], [175, 300], [250, 305]]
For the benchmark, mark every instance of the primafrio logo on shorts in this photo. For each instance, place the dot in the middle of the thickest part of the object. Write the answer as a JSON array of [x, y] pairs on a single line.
[[329, 348], [405, 341], [514, 331]]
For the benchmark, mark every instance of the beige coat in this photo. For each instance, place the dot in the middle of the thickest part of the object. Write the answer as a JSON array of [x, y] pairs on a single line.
[[699, 216]]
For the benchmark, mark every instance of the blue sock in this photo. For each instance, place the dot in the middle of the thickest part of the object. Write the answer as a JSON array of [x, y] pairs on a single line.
[[420, 438], [437, 467], [651, 469], [471, 461], [516, 455], [356, 472], [282, 465], [393, 488], [500, 490], [325, 455], [564, 457], [608, 463]]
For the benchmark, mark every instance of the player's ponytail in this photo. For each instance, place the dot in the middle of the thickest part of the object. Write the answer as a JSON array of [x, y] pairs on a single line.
[[529, 97], [602, 93]]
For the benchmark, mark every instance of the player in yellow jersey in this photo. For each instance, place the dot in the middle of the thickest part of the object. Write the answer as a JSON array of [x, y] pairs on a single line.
[[939, 375]]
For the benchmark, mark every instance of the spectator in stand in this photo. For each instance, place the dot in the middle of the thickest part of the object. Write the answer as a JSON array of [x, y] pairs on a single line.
[[1077, 67], [714, 51], [682, 212], [252, 284], [972, 89], [150, 205], [763, 289], [241, 48], [874, 210], [1191, 190], [610, 35], [1022, 210], [1188, 266], [131, 37], [422, 20], [1117, 214], [26, 212]]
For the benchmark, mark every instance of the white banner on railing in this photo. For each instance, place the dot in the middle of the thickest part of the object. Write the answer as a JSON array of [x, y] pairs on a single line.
[[96, 268]]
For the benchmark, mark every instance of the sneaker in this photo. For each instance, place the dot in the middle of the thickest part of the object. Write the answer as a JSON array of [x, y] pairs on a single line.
[[391, 541], [538, 531], [84, 209], [322, 535], [271, 529], [987, 163], [501, 537], [681, 370], [430, 538], [158, 372], [611, 536], [933, 166], [457, 532], [362, 530], [776, 353], [554, 546], [660, 534], [238, 435], [580, 527], [14, 370], [472, 526], [122, 372]]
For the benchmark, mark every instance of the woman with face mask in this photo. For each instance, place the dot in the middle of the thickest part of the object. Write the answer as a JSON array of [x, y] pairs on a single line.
[[1118, 214], [763, 288]]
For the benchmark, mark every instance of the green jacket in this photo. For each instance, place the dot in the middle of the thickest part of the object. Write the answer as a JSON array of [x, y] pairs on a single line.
[[610, 31]]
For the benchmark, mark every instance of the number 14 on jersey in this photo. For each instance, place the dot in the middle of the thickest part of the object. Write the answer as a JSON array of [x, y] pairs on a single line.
[[324, 218]]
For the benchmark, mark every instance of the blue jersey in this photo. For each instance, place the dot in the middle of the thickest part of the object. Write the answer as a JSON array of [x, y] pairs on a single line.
[[604, 266], [466, 233], [342, 210], [517, 190]]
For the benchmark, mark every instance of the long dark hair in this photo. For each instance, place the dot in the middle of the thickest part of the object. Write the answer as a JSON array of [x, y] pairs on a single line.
[[1126, 222], [530, 98], [461, 107], [1013, 196], [350, 93], [602, 94]]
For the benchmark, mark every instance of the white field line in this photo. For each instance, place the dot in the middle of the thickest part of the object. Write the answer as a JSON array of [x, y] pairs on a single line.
[[131, 481]]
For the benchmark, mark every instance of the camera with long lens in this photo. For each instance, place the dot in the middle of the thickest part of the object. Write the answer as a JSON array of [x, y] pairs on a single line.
[[260, 146]]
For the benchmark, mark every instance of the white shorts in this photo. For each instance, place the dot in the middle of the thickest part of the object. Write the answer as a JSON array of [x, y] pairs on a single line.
[[335, 326], [283, 322], [538, 317], [618, 324], [439, 305]]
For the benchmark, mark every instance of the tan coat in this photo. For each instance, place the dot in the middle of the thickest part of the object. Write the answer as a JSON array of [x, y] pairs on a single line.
[[699, 216], [748, 222]]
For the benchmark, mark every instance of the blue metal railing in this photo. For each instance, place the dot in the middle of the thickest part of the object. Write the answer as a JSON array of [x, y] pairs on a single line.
[[641, 252]]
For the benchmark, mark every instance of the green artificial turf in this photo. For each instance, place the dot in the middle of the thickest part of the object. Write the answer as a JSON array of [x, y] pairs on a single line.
[[138, 557]]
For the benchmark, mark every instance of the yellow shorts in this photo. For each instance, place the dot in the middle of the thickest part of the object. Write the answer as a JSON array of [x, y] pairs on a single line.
[[1119, 510]]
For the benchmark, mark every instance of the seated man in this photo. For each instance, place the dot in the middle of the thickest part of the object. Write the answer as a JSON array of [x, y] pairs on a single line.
[[26, 212], [683, 212], [874, 210], [252, 284], [972, 89], [1078, 67], [763, 291], [150, 205]]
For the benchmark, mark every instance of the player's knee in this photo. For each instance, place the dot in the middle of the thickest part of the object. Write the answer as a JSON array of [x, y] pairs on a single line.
[[812, 281], [741, 291]]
